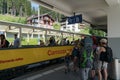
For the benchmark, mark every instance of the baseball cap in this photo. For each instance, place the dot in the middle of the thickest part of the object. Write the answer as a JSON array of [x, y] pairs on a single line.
[[103, 40]]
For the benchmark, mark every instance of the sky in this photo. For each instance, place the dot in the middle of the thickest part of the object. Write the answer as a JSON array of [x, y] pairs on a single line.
[[33, 4]]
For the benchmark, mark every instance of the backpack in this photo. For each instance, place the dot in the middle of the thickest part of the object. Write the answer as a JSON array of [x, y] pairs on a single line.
[[87, 58], [7, 43], [75, 52], [87, 53], [88, 42], [107, 56]]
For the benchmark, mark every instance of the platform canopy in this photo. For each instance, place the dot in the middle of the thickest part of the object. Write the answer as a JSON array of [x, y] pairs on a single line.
[[93, 11]]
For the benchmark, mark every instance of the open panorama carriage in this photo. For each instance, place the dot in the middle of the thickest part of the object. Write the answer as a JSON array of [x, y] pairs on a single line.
[[17, 61]]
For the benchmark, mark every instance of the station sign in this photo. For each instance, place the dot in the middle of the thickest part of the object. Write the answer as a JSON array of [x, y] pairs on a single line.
[[75, 19]]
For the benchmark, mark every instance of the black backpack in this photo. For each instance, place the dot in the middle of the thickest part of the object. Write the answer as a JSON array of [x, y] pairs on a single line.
[[75, 52], [107, 56], [7, 43]]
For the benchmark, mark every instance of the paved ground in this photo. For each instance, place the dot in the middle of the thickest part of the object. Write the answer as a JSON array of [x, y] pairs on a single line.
[[55, 72]]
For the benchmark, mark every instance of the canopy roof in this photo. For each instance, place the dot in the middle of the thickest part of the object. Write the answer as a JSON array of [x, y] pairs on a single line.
[[93, 11]]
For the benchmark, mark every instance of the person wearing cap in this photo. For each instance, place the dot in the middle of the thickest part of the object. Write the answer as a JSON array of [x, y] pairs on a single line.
[[16, 41], [101, 66]]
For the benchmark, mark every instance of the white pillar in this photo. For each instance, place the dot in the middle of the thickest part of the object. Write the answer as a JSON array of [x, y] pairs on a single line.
[[45, 36], [31, 35], [38, 38], [20, 35], [114, 29], [5, 34], [28, 38]]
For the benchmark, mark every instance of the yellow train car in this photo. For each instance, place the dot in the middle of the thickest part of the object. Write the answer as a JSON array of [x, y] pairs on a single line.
[[13, 58], [16, 57]]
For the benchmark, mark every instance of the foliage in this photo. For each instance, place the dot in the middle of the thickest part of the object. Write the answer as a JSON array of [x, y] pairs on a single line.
[[56, 16], [28, 8], [85, 30], [13, 18], [22, 8], [90, 31], [15, 7], [97, 32], [33, 41], [44, 10], [56, 26]]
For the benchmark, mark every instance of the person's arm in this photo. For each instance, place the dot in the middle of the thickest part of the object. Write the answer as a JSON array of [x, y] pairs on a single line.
[[102, 49]]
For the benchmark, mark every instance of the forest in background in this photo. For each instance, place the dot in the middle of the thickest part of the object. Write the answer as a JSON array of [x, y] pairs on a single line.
[[23, 8], [15, 7]]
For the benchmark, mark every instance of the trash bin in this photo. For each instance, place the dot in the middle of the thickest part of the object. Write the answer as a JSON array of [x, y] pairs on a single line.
[[114, 69]]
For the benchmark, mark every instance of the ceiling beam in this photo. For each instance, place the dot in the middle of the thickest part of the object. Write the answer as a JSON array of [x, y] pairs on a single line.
[[112, 2], [66, 12]]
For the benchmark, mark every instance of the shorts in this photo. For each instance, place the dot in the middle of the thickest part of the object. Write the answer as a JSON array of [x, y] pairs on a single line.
[[100, 65]]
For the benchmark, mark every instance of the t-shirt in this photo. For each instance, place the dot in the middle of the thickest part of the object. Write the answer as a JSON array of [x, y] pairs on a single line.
[[16, 42]]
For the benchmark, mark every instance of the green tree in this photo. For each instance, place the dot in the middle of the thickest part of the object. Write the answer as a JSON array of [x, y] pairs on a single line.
[[56, 26], [9, 6], [34, 11], [86, 30], [1, 6], [56, 16], [44, 10], [15, 7], [28, 8], [97, 32]]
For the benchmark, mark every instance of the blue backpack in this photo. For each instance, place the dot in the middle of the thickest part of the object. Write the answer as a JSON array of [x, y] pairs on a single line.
[[87, 53], [88, 42]]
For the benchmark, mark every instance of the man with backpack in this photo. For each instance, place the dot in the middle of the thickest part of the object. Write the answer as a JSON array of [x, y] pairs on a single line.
[[75, 56], [105, 57], [86, 57]]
